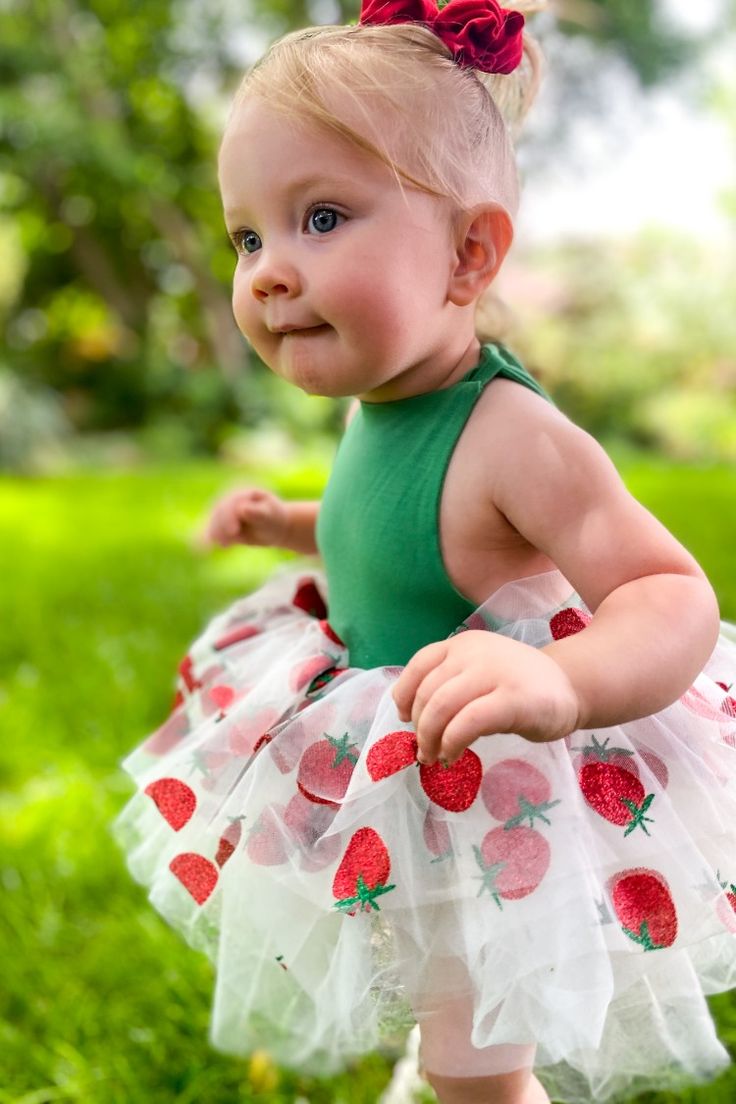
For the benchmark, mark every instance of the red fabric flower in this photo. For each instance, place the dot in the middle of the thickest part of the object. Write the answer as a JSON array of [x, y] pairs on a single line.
[[480, 33]]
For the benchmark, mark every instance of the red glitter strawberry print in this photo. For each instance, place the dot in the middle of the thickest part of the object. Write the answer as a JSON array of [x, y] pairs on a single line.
[[318, 684], [308, 670], [617, 795], [309, 599], [454, 788], [728, 705], [221, 697], [436, 836], [287, 742], [307, 823], [390, 754], [516, 791], [325, 769], [186, 670], [229, 840], [512, 861], [644, 907], [196, 873], [330, 633], [657, 766], [475, 621], [174, 729], [211, 764], [600, 751], [266, 844], [731, 895], [236, 635], [362, 875], [726, 905], [698, 704], [207, 760], [245, 735], [174, 800], [567, 622]]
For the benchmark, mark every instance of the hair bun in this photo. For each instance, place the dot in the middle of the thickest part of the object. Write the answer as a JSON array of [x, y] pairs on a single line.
[[514, 93]]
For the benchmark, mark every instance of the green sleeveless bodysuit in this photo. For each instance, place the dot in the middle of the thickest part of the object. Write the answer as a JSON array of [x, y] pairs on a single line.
[[378, 524]]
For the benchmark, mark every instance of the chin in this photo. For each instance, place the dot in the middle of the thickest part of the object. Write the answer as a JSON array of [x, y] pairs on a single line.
[[326, 392], [322, 383]]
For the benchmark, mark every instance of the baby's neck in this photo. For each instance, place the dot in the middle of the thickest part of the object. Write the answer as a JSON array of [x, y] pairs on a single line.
[[428, 378]]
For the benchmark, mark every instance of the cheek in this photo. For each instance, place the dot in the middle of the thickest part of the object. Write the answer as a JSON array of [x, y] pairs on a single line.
[[242, 301], [370, 293]]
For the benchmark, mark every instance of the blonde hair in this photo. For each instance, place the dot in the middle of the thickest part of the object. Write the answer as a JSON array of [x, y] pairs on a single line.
[[452, 128]]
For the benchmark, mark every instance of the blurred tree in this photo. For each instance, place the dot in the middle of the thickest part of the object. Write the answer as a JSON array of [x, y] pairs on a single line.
[[107, 173], [109, 113], [637, 340], [638, 32]]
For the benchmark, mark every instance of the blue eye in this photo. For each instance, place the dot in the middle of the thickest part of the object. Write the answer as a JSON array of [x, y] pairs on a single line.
[[246, 241], [322, 220]]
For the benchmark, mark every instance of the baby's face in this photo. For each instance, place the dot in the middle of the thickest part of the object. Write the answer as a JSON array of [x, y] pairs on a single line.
[[342, 276]]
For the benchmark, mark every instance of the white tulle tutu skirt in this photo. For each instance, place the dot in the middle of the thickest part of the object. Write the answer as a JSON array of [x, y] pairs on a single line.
[[580, 894]]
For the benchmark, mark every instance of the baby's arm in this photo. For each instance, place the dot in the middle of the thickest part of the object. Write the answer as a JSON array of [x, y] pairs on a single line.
[[655, 615], [257, 517], [253, 516]]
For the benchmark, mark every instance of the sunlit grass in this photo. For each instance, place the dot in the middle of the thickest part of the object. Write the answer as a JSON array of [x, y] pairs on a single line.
[[102, 588]]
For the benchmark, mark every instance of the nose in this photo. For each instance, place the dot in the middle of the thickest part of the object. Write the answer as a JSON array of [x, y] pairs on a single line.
[[275, 275]]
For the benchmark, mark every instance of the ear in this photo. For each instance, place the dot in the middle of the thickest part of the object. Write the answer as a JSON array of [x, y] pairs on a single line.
[[483, 240]]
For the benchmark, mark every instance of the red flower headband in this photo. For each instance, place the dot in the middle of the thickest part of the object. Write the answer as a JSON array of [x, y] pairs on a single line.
[[480, 33]]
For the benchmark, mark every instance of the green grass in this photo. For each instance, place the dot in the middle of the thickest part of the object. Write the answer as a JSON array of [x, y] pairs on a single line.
[[102, 589]]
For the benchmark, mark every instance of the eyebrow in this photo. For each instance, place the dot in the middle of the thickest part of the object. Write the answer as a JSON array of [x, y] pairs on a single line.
[[305, 184]]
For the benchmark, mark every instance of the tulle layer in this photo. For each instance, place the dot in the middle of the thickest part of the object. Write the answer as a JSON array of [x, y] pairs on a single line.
[[581, 894]]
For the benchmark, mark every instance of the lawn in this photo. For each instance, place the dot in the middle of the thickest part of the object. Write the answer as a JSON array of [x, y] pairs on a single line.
[[103, 588]]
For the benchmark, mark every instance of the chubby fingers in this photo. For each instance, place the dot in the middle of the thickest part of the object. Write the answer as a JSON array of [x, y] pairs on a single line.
[[430, 692], [231, 512], [449, 706], [223, 527], [481, 716], [456, 713], [438, 700], [416, 670]]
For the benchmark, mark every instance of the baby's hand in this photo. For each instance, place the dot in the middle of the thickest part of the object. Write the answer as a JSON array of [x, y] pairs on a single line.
[[248, 516], [477, 683]]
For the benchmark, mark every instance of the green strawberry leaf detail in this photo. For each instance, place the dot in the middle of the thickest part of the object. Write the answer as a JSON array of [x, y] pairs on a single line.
[[488, 876], [365, 896], [643, 938], [532, 811], [343, 749], [637, 814]]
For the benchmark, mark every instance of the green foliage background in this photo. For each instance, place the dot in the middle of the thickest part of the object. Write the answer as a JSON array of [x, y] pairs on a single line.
[[114, 291]]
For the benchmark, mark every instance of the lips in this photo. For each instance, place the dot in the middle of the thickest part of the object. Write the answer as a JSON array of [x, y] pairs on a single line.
[[299, 331]]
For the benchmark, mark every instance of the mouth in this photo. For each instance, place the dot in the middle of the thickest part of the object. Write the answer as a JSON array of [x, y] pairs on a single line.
[[301, 331]]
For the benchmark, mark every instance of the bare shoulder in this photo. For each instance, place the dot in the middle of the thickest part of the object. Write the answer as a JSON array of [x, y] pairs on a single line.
[[524, 442], [559, 489], [528, 434], [545, 473]]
